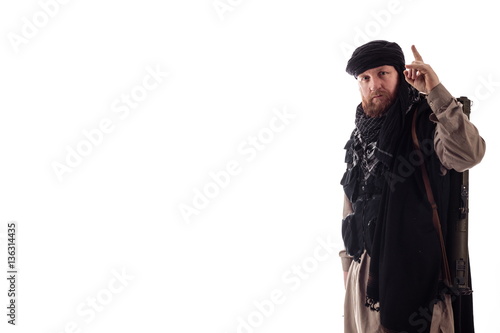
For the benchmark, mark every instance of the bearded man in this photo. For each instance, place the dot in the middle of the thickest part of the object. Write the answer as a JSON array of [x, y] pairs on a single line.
[[393, 261]]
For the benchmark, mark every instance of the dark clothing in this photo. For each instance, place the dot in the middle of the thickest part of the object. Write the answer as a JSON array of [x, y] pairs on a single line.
[[405, 267]]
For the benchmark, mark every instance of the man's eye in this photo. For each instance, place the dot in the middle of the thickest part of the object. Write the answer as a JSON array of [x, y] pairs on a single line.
[[364, 78], [384, 73]]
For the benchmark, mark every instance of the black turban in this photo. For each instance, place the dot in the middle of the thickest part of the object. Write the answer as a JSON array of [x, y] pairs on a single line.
[[375, 54]]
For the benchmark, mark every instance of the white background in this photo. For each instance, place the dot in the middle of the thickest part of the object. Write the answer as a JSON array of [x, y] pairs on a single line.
[[118, 210]]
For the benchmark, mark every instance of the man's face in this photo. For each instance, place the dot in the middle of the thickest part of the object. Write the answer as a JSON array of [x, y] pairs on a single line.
[[378, 87]]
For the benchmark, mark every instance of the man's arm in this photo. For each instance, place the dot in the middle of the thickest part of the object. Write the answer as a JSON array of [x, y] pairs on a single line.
[[344, 257], [457, 142]]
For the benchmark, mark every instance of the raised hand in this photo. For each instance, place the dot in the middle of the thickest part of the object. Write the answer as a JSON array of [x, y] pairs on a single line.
[[419, 74]]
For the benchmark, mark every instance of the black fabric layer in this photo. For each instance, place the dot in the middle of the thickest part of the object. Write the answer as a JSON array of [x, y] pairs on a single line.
[[357, 230], [404, 282], [405, 266], [375, 54]]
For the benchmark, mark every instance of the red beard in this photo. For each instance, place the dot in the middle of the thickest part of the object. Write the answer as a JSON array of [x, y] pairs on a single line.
[[377, 104]]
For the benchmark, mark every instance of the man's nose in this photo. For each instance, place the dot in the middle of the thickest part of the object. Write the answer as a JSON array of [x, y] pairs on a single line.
[[375, 83]]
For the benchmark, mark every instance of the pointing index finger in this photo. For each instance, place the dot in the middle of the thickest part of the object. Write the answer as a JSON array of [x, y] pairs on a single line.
[[417, 55]]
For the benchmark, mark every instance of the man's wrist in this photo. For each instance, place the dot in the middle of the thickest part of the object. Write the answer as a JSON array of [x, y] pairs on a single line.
[[439, 98]]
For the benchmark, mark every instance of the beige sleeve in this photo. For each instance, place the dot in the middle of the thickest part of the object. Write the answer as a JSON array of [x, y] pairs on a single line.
[[344, 257], [457, 142]]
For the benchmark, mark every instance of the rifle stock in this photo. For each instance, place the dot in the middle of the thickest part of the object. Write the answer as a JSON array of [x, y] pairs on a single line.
[[458, 226]]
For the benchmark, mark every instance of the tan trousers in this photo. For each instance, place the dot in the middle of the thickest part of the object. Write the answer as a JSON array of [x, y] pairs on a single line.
[[360, 319]]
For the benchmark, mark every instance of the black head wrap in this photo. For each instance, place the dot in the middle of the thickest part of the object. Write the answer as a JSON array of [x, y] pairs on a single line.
[[375, 54]]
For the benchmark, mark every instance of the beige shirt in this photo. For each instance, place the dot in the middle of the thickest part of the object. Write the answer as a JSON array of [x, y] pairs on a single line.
[[457, 142]]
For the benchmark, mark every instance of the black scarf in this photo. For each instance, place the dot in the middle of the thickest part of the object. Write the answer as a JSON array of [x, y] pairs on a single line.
[[379, 132], [369, 127]]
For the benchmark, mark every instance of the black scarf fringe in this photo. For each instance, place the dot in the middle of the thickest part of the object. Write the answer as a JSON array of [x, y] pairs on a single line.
[[372, 304]]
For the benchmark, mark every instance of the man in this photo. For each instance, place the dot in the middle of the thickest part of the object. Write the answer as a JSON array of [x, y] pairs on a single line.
[[393, 262]]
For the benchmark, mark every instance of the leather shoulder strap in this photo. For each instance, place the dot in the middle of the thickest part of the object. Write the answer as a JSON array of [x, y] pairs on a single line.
[[430, 197]]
